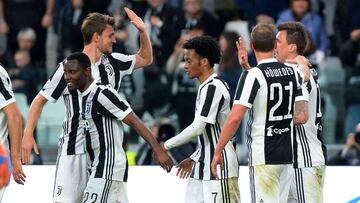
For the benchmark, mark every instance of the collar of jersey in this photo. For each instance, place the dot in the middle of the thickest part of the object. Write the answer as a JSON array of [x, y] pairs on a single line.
[[208, 79], [269, 60], [87, 91]]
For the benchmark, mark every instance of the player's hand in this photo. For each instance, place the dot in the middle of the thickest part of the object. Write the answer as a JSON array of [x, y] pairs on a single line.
[[18, 173], [217, 160], [46, 20], [135, 20], [304, 65], [27, 144], [163, 158], [185, 168], [242, 54]]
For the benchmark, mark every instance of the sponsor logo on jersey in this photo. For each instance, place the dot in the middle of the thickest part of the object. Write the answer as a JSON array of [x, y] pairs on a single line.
[[278, 131]]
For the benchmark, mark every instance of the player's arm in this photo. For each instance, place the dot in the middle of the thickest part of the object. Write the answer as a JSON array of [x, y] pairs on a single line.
[[301, 107], [229, 129], [144, 57], [193, 130], [304, 66], [14, 121], [159, 153], [242, 54], [301, 112], [28, 141]]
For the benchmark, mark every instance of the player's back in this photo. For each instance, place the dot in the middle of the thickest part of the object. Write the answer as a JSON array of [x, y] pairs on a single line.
[[269, 90]]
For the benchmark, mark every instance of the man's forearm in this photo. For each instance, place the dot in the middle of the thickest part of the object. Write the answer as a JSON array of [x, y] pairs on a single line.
[[145, 50], [34, 113]]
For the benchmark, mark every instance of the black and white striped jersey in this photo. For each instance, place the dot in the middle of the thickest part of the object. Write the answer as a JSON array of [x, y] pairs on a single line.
[[309, 147], [270, 90], [6, 98], [109, 70], [212, 107], [102, 112]]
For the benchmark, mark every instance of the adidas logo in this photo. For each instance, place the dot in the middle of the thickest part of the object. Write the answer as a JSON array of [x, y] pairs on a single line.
[[261, 201]]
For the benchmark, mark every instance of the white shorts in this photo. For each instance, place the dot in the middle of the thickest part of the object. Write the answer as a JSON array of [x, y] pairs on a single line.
[[270, 183], [213, 191], [71, 177], [307, 185], [103, 190]]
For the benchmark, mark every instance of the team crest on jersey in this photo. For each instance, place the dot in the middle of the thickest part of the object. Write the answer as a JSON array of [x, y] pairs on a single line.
[[108, 67]]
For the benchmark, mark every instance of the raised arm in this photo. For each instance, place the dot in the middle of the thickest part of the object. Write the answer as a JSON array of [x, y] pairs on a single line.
[[144, 57], [28, 141], [159, 153], [242, 54], [14, 121]]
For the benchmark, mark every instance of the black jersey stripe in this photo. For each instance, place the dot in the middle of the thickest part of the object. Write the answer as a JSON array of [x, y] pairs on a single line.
[[208, 100], [114, 99], [103, 74], [240, 86], [202, 158], [74, 123], [60, 87], [99, 127], [212, 147], [4, 92], [254, 90]]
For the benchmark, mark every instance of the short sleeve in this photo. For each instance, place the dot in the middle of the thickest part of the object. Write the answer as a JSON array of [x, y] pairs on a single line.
[[6, 93], [247, 89], [55, 86], [125, 63], [113, 105]]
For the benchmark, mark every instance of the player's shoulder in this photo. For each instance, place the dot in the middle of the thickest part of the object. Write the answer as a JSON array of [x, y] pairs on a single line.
[[3, 73]]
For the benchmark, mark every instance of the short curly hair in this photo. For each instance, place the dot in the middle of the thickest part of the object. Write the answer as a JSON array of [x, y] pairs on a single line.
[[206, 47]]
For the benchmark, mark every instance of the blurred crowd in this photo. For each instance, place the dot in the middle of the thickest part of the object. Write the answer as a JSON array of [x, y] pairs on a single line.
[[37, 34]]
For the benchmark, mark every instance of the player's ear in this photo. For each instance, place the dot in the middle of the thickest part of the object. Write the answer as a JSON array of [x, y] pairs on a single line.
[[204, 61], [95, 37], [292, 48]]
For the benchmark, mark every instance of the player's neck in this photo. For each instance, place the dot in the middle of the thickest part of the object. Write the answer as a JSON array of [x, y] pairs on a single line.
[[92, 52], [292, 56], [86, 85], [263, 55], [205, 75]]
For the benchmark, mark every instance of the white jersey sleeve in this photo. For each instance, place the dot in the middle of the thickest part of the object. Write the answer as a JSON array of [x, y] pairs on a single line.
[[247, 89], [55, 86], [6, 92], [128, 62], [113, 105]]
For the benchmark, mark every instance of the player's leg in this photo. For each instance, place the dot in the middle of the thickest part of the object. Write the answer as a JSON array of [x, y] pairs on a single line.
[[309, 184], [70, 178], [221, 191], [103, 190], [266, 182], [292, 198], [194, 191], [285, 181]]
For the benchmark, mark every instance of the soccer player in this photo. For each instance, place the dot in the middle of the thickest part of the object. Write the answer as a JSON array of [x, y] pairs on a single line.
[[310, 151], [102, 111], [269, 91], [10, 125], [213, 105], [107, 68]]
